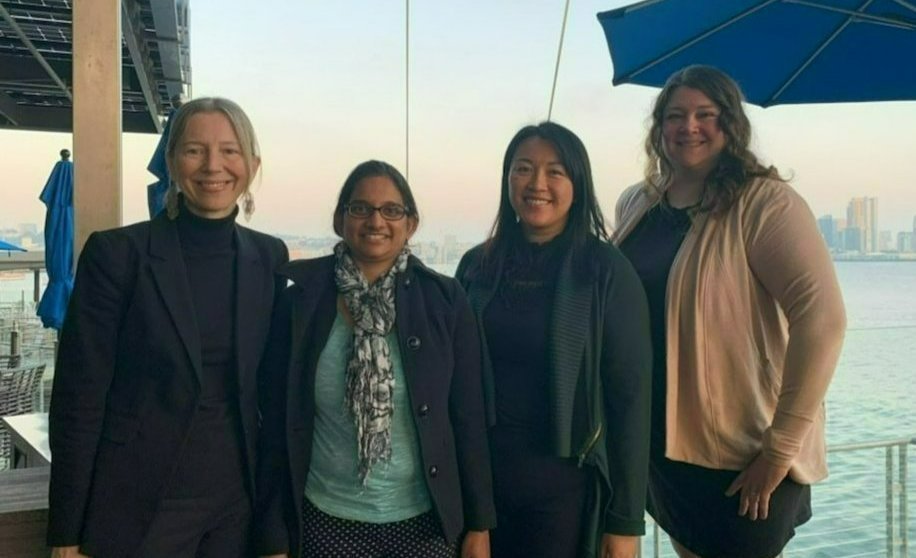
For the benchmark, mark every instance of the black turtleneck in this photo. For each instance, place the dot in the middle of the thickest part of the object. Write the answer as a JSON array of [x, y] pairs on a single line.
[[212, 461], [517, 325]]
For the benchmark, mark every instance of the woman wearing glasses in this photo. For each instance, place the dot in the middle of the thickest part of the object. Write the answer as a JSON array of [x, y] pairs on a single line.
[[376, 409]]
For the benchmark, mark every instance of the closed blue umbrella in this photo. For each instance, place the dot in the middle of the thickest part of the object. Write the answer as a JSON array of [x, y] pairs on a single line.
[[58, 197], [779, 51], [155, 192]]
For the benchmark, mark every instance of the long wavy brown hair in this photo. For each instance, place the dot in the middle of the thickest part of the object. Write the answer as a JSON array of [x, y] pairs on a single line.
[[737, 166]]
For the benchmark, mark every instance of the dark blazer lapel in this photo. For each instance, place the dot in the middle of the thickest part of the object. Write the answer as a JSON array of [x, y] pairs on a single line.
[[252, 295], [313, 316], [565, 349], [171, 277]]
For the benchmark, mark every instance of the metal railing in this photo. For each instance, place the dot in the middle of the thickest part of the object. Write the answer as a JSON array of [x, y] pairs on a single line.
[[896, 514]]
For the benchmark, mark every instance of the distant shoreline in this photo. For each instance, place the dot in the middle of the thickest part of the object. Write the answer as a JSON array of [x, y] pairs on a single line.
[[905, 258]]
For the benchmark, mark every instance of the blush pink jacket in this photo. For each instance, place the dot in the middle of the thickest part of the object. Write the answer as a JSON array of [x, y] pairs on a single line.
[[755, 324]]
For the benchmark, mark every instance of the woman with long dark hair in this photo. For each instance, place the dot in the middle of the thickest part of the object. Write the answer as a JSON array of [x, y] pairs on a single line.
[[747, 324], [566, 356]]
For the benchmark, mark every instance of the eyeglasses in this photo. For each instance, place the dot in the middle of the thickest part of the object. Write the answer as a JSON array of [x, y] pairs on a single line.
[[389, 211]]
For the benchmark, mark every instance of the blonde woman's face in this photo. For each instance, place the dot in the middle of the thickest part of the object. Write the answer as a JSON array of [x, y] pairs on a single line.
[[209, 166]]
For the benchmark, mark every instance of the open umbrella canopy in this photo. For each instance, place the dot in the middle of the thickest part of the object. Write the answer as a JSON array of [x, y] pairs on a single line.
[[779, 51], [4, 245], [155, 192], [58, 197]]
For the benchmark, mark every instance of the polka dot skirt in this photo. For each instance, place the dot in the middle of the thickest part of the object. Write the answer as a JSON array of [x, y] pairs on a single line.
[[326, 536]]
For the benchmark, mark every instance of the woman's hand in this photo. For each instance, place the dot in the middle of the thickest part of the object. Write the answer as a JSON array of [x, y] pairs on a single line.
[[67, 552], [757, 483], [619, 546], [476, 544]]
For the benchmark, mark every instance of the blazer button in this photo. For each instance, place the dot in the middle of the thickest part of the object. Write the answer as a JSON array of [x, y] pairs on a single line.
[[433, 471], [423, 410], [406, 282], [413, 342]]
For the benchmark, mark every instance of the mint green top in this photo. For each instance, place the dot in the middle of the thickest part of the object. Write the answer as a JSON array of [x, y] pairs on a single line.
[[396, 489]]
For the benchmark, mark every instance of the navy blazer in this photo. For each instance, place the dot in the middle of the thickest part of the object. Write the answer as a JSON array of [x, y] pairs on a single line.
[[440, 349], [127, 379]]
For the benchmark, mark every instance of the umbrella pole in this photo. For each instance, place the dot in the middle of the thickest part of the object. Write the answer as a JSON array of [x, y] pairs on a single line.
[[556, 70]]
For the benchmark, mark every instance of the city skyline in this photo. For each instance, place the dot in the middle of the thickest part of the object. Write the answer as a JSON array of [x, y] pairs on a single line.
[[859, 232]]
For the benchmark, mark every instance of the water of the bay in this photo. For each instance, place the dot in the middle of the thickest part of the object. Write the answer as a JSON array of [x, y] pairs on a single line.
[[872, 398]]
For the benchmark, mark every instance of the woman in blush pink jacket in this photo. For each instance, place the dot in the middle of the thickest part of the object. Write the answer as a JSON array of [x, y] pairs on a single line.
[[747, 324]]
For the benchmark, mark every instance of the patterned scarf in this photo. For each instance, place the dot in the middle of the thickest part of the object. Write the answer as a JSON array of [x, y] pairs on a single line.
[[370, 375]]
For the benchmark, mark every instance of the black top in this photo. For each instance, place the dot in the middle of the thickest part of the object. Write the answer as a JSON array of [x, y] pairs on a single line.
[[517, 325], [212, 460], [651, 247], [127, 381]]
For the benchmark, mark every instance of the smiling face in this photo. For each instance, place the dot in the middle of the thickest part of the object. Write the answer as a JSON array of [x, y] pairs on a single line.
[[209, 166], [540, 190], [692, 137], [375, 242]]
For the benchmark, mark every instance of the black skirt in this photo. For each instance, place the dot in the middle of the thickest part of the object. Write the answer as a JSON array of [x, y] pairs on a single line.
[[689, 503]]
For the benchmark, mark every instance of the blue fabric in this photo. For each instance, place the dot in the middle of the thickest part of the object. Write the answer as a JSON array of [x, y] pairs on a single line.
[[763, 44], [394, 490], [58, 197], [155, 192], [4, 245]]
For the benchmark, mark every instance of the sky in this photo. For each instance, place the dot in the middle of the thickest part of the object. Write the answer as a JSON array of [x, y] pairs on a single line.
[[324, 84]]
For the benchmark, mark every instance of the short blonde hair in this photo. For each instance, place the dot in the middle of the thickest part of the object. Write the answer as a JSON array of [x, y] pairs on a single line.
[[244, 131]]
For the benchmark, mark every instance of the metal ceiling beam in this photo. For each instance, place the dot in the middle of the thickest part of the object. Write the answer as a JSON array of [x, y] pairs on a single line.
[[9, 109], [170, 22], [60, 119], [25, 40], [23, 7], [131, 29], [21, 68]]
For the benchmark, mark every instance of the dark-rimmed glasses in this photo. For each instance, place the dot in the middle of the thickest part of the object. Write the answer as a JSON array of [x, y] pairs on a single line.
[[389, 211]]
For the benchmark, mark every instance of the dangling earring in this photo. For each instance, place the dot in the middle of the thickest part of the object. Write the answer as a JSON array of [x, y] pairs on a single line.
[[247, 204]]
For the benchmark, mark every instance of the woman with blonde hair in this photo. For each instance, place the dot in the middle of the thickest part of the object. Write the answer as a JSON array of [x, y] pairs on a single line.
[[154, 418]]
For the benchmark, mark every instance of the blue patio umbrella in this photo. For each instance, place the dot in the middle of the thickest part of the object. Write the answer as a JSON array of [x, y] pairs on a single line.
[[58, 197], [155, 192], [4, 245], [779, 51]]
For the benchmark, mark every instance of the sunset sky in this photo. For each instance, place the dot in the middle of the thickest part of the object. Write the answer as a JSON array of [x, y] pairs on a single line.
[[324, 84]]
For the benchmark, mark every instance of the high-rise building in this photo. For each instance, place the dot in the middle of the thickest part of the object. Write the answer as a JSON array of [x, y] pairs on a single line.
[[827, 226], [862, 214], [853, 240], [905, 242], [885, 241]]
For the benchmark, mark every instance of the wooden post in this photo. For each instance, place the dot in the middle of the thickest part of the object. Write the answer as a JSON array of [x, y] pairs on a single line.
[[96, 117]]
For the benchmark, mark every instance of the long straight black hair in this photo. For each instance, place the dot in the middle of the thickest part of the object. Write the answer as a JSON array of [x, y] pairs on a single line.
[[585, 222]]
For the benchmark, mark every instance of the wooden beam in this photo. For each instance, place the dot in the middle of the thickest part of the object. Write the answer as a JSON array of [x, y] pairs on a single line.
[[96, 117]]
